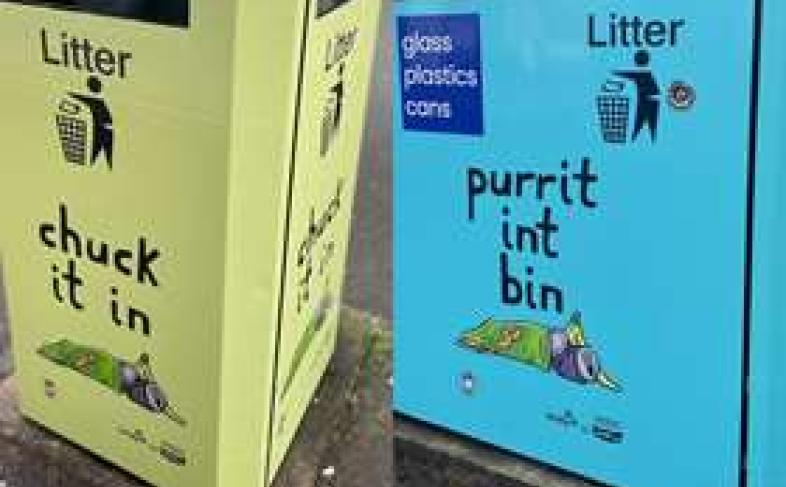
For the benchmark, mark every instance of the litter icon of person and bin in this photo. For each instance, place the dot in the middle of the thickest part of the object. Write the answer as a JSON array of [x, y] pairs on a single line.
[[615, 106], [76, 113]]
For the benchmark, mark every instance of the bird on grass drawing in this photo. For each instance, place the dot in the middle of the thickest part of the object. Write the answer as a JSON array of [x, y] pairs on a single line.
[[135, 380], [562, 351]]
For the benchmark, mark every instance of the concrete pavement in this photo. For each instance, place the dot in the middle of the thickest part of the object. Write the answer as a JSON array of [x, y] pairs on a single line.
[[370, 272], [429, 457]]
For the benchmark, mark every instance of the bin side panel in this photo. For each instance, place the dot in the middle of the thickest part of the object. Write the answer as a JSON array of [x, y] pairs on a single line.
[[115, 139], [339, 54], [267, 57], [526, 196]]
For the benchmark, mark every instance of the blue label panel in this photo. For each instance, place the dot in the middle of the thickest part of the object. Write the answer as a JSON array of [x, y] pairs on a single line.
[[440, 73]]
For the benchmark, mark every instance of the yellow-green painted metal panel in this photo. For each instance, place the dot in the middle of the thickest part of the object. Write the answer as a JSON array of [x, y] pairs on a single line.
[[337, 63], [157, 178]]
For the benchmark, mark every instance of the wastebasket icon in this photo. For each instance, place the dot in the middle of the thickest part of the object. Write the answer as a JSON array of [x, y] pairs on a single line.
[[326, 132], [72, 131], [614, 112]]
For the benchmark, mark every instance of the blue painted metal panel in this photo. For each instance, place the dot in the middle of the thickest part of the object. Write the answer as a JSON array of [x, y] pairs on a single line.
[[579, 280]]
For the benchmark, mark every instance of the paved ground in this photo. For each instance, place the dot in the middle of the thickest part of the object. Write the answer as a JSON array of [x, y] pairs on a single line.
[[351, 427], [370, 271], [428, 457]]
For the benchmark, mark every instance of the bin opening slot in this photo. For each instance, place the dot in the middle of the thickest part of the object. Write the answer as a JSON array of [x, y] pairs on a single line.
[[324, 7], [168, 12]]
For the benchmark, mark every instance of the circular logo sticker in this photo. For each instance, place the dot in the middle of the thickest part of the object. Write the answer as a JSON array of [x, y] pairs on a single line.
[[682, 96]]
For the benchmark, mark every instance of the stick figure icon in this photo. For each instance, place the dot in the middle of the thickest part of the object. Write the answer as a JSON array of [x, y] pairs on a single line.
[[103, 133], [338, 91], [648, 104]]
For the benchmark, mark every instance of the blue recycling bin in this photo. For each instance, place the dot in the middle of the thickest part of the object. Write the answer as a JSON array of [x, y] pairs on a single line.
[[590, 231]]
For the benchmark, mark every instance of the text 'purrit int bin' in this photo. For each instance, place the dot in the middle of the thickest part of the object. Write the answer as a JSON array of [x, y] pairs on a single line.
[[177, 184], [589, 233]]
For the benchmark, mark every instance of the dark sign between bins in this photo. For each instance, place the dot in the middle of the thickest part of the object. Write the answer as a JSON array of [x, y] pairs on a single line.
[[324, 7], [171, 12]]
